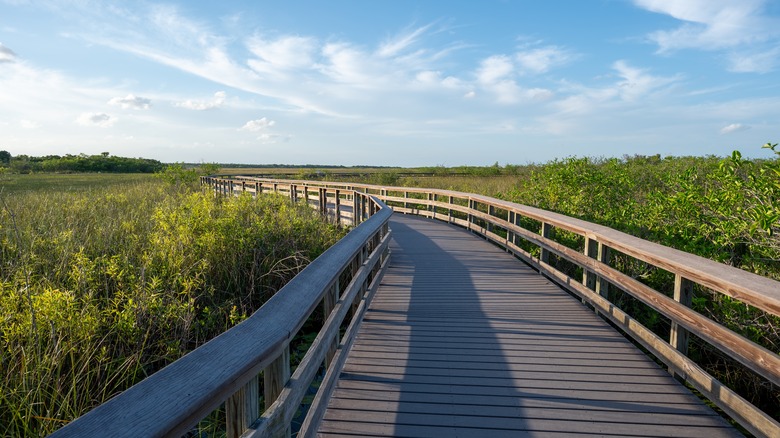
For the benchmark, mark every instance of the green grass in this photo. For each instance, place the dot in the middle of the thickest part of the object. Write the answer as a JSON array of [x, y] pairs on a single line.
[[12, 183]]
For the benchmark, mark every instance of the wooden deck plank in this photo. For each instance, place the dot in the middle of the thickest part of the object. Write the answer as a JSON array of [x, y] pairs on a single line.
[[563, 412], [464, 340]]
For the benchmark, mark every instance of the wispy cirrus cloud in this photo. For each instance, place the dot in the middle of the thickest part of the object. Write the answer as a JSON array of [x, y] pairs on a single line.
[[542, 59], [398, 43], [740, 28], [636, 82], [282, 54]]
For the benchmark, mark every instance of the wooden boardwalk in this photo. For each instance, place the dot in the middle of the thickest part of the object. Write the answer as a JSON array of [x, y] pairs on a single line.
[[462, 339]]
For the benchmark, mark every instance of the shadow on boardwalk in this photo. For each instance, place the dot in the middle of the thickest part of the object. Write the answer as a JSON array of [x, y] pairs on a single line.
[[464, 340]]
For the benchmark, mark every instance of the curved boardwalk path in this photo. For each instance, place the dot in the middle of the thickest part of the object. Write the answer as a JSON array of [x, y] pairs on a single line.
[[462, 339]]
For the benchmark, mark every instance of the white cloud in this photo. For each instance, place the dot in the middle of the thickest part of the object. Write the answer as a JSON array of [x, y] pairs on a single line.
[[258, 125], [494, 69], [749, 61], [267, 138], [470, 95], [28, 124], [541, 60], [636, 82], [6, 54], [709, 24], [740, 28], [202, 105], [131, 101], [346, 64], [394, 46], [284, 53], [734, 127], [539, 94], [102, 120]]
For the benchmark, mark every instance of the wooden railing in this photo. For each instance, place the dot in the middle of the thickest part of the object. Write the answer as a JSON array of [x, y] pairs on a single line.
[[520, 228], [226, 369]]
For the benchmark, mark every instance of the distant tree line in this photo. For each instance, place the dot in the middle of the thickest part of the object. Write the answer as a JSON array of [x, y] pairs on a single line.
[[103, 162]]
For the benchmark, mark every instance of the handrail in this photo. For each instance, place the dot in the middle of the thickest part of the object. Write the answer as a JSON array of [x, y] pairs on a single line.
[[480, 214], [225, 370]]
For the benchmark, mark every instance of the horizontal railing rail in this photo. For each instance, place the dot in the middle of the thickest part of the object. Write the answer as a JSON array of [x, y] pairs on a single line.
[[226, 369], [506, 224]]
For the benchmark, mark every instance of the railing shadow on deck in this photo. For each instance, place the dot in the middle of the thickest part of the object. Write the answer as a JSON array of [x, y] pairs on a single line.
[[425, 306], [510, 226]]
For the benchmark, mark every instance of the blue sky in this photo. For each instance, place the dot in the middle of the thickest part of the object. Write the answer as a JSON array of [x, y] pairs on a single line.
[[389, 82]]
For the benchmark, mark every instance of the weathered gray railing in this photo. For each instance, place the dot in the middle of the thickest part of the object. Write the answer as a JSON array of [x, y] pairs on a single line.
[[226, 369], [506, 223]]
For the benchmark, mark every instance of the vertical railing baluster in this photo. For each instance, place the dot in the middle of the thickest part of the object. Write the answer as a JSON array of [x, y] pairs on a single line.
[[356, 219], [678, 336], [275, 376], [591, 250], [328, 304], [544, 254], [242, 408], [470, 217], [489, 224], [510, 217], [338, 207]]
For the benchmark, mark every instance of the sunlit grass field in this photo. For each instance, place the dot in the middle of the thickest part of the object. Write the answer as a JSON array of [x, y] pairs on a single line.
[[10, 183]]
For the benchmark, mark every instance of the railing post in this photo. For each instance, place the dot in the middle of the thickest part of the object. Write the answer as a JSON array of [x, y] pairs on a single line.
[[600, 252], [544, 255], [406, 204], [243, 408], [328, 303], [678, 337], [243, 186], [356, 219], [430, 206], [323, 201], [591, 250], [356, 264], [293, 193], [489, 225], [338, 207], [510, 236], [275, 376], [258, 191], [449, 210], [470, 218], [602, 285]]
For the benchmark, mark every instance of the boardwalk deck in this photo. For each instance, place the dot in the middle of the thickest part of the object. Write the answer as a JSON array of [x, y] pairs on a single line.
[[464, 340]]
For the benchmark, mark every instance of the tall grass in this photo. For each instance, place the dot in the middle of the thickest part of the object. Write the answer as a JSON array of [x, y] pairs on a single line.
[[102, 287]]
